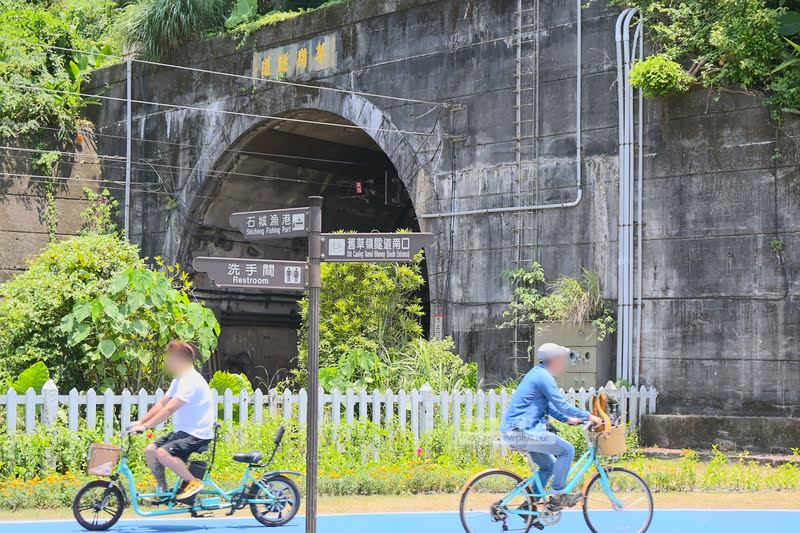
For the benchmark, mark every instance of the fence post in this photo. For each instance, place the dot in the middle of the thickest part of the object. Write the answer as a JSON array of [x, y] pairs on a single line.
[[108, 415], [243, 403], [302, 406], [362, 405], [160, 394], [653, 394], [72, 410], [125, 409], [415, 412], [287, 405], [49, 404], [30, 411], [492, 404], [480, 414], [388, 413], [444, 407], [272, 402], [469, 402], [11, 411], [349, 407], [258, 407], [142, 404], [91, 409], [427, 392], [402, 401], [376, 407]]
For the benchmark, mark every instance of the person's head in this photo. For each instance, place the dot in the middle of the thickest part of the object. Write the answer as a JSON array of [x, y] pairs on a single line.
[[180, 357], [554, 357]]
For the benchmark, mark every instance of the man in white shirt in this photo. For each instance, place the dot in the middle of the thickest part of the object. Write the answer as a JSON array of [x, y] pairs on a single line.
[[190, 403]]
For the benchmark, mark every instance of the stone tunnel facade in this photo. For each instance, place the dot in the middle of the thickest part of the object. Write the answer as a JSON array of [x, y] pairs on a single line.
[[720, 315]]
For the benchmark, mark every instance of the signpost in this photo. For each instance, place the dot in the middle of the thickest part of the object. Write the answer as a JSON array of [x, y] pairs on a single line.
[[264, 274], [299, 275]]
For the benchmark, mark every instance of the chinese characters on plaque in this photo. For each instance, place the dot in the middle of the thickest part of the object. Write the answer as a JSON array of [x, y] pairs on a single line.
[[278, 223], [295, 59], [233, 272], [373, 246]]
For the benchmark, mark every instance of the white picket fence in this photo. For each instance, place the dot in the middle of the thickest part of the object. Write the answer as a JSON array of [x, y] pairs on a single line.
[[418, 410]]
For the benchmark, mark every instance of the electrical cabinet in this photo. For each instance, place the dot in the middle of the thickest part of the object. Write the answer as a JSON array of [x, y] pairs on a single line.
[[591, 361]]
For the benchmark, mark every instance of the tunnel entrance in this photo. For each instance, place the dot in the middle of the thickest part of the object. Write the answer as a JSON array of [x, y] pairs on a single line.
[[276, 165]]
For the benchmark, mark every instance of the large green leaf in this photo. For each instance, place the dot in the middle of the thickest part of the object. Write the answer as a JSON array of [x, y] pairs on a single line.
[[244, 10], [222, 381], [80, 332], [107, 347], [789, 23], [34, 377], [119, 283]]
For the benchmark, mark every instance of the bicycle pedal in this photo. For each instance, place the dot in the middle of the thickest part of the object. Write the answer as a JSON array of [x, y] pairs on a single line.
[[538, 525]]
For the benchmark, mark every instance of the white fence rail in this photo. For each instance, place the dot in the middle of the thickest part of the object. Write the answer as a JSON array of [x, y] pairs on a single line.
[[418, 410]]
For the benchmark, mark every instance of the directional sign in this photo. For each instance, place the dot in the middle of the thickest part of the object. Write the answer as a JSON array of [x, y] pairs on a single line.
[[274, 224], [258, 273], [373, 247]]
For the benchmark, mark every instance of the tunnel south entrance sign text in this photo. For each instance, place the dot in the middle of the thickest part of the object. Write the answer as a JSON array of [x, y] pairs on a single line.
[[300, 275]]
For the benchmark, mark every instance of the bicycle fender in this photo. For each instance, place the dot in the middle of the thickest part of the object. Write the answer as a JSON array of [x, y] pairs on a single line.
[[473, 478], [283, 473]]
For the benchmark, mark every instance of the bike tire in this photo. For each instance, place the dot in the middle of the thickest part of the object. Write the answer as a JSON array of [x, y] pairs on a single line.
[[594, 484], [115, 513], [484, 475], [294, 496]]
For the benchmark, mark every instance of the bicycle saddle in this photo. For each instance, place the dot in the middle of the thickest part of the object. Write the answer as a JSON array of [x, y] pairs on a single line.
[[248, 457]]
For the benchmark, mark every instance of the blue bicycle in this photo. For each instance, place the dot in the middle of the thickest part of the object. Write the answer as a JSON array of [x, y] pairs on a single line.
[[273, 498], [614, 499]]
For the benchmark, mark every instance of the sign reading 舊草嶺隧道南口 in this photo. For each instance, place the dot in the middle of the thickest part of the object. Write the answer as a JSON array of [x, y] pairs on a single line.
[[274, 224], [295, 59], [373, 247], [237, 272]]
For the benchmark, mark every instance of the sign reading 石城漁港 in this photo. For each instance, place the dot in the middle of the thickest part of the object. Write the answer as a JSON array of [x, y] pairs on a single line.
[[373, 247], [236, 272], [274, 224], [295, 59]]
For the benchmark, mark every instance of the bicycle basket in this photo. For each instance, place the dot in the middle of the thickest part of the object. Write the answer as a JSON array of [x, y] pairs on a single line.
[[103, 458], [612, 443]]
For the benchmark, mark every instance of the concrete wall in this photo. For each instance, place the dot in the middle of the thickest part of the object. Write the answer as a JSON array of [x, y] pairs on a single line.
[[720, 315], [23, 197]]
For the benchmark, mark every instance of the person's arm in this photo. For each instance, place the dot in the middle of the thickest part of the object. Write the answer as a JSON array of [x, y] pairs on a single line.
[[561, 405], [172, 405], [558, 415], [153, 412]]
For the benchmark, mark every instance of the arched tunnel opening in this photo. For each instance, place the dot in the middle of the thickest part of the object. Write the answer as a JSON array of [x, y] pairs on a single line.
[[275, 165]]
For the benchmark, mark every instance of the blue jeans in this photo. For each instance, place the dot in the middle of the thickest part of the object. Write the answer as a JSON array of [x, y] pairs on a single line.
[[550, 452]]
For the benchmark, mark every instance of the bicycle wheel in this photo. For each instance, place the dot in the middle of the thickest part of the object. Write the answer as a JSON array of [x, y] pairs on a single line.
[[287, 500], [481, 511], [629, 508], [98, 506]]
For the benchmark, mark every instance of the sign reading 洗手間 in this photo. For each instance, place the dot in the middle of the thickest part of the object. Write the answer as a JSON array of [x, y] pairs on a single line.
[[373, 247], [235, 272], [274, 224], [295, 59]]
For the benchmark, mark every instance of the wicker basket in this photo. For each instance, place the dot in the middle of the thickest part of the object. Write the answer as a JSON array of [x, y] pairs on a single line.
[[102, 459], [613, 443]]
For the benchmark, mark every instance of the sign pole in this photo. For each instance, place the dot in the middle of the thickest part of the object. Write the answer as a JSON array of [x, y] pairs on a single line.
[[312, 426]]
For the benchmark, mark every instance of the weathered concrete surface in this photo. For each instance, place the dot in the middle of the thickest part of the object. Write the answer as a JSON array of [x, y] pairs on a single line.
[[721, 309], [728, 433], [23, 198]]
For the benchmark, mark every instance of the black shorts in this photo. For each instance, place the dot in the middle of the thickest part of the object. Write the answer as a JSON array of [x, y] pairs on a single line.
[[181, 444]]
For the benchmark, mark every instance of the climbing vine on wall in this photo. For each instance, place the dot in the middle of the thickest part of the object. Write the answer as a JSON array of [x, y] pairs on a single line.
[[750, 43]]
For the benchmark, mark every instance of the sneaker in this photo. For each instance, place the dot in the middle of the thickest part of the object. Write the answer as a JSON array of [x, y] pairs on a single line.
[[192, 488], [566, 500]]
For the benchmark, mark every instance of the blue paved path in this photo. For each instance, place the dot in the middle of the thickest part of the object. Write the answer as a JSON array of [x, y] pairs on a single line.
[[663, 522]]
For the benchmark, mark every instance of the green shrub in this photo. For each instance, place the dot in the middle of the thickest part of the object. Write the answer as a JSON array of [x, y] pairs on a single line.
[[660, 76], [157, 27], [37, 300]]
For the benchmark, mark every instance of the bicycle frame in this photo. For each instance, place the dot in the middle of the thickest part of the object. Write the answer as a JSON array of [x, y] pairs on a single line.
[[228, 499], [576, 473]]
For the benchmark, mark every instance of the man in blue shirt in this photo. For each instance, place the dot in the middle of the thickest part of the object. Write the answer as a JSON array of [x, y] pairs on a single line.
[[525, 423]]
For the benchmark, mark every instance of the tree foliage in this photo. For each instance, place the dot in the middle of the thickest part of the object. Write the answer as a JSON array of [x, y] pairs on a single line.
[[370, 332], [80, 268], [123, 330], [722, 43]]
